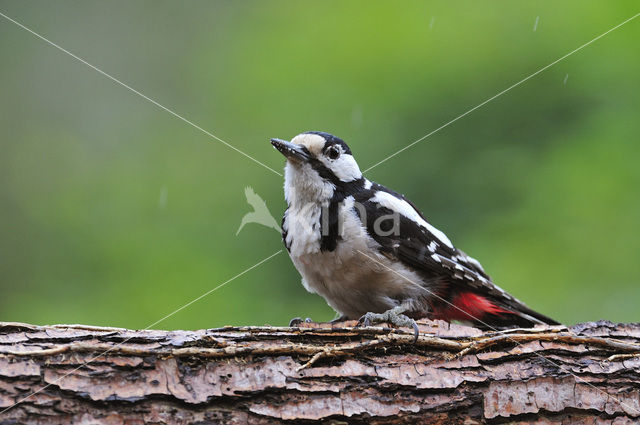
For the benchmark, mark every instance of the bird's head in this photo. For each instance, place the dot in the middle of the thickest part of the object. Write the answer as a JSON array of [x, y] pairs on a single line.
[[317, 164]]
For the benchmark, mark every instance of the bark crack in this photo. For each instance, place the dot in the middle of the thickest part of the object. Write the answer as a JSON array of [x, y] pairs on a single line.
[[452, 373]]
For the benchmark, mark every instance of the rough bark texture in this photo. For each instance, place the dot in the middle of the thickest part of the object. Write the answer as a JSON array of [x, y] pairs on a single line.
[[453, 374]]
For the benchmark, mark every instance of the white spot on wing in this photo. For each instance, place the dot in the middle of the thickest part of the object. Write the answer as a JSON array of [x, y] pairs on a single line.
[[403, 207], [475, 262]]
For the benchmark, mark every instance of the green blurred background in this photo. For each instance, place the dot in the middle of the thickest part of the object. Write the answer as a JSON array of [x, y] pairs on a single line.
[[114, 212]]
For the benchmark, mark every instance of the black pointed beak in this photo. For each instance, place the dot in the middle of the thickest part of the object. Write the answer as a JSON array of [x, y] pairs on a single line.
[[291, 150]]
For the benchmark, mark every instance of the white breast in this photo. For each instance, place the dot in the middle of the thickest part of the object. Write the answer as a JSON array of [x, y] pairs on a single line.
[[354, 278], [302, 224]]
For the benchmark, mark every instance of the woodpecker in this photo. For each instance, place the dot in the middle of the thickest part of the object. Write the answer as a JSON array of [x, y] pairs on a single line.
[[371, 254]]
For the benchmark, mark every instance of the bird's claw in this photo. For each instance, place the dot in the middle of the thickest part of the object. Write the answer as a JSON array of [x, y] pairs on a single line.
[[394, 316], [297, 321], [416, 331]]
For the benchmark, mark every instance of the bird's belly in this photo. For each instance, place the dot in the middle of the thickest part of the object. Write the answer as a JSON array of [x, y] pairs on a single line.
[[357, 282], [354, 278]]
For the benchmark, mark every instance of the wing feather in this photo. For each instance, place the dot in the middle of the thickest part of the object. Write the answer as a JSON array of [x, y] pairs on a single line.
[[424, 248]]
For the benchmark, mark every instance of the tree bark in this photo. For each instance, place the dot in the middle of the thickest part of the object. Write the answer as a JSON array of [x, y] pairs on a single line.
[[452, 374]]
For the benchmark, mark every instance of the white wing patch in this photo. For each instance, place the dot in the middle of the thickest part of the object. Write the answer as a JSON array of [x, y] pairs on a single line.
[[469, 260], [403, 207]]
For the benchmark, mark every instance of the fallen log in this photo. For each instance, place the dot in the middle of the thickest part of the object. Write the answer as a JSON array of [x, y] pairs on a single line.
[[452, 374]]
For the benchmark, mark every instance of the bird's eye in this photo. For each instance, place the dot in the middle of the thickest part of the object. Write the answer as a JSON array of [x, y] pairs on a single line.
[[333, 153]]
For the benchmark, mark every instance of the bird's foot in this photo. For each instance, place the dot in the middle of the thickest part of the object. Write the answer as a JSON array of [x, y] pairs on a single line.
[[296, 321], [394, 316]]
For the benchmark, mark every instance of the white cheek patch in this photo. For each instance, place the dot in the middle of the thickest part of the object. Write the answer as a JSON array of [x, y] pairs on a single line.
[[345, 167], [403, 207]]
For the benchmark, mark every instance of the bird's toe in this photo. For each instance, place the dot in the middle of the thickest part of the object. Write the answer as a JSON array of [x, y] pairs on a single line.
[[297, 321], [393, 317]]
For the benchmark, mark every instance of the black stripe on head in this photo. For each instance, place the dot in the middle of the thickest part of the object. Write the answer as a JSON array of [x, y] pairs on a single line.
[[331, 140], [324, 171], [343, 188]]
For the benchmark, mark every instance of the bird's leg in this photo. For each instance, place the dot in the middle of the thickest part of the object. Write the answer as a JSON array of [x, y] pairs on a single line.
[[395, 316]]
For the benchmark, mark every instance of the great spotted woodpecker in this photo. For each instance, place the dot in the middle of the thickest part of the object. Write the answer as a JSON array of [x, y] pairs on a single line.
[[372, 255]]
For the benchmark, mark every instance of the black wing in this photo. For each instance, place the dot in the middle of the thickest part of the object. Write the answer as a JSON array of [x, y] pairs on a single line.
[[452, 272]]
